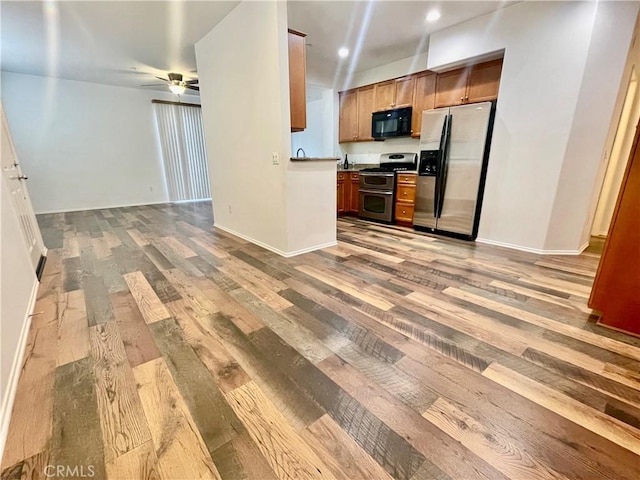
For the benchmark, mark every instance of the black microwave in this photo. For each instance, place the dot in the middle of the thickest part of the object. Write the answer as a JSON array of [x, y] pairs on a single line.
[[391, 123]]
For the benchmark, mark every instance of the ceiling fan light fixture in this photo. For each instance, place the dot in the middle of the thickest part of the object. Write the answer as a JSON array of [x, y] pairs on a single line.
[[177, 89]]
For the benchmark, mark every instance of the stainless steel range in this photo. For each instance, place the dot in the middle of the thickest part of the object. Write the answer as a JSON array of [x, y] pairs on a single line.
[[378, 186]]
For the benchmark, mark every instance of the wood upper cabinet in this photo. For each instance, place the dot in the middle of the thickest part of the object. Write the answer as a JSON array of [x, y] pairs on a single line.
[[365, 109], [297, 81], [423, 99], [356, 107], [477, 83], [394, 93], [484, 81], [616, 286], [348, 128], [451, 88]]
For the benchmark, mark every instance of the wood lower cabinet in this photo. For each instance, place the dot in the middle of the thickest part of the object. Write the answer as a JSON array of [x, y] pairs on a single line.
[[342, 192], [405, 198], [348, 192], [616, 289], [354, 192], [297, 81]]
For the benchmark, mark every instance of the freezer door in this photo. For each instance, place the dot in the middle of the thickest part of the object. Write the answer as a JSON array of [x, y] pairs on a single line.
[[424, 212], [469, 127], [432, 122], [430, 137]]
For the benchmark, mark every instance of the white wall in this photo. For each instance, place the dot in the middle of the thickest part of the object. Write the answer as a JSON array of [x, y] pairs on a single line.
[[287, 207], [311, 139], [602, 79], [557, 57], [85, 145]]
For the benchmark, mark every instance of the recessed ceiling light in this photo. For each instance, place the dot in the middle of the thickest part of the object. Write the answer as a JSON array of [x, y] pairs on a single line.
[[433, 15], [343, 52]]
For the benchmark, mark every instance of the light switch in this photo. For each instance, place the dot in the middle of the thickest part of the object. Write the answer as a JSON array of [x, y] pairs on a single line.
[[275, 158]]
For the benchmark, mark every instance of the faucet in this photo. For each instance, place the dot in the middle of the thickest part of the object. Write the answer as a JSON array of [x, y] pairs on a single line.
[[298, 153]]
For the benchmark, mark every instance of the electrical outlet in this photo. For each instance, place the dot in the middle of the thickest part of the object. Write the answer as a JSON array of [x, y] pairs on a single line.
[[275, 158]]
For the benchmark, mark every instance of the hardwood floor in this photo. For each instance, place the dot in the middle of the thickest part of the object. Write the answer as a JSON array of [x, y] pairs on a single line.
[[167, 349]]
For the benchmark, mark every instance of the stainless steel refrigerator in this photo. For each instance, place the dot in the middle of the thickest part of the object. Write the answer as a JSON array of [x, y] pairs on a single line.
[[454, 151]]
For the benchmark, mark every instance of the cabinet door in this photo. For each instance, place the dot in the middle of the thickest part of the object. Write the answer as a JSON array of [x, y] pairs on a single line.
[[354, 192], [341, 193], [297, 84], [384, 96], [348, 127], [483, 82], [404, 91], [365, 109], [424, 99], [451, 88]]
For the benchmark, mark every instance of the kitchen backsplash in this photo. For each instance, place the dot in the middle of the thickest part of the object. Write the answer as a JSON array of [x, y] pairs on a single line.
[[369, 152]]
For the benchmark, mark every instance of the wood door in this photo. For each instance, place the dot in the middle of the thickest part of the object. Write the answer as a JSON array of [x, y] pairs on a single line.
[[365, 109], [348, 125], [384, 96], [354, 191], [451, 88], [15, 180], [297, 81], [404, 91], [617, 283], [484, 81], [423, 99]]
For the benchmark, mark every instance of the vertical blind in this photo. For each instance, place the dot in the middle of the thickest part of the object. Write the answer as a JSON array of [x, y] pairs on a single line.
[[183, 152]]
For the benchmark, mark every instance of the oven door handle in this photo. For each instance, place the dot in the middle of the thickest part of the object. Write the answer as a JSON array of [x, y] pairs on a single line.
[[377, 192]]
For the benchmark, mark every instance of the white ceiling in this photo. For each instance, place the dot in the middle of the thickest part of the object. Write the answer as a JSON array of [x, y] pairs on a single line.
[[127, 43]]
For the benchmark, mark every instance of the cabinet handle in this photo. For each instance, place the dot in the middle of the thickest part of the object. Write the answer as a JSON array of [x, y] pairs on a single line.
[[467, 97], [462, 99], [404, 193], [404, 211]]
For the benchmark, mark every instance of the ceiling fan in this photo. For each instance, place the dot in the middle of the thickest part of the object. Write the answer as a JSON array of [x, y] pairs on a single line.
[[176, 84]]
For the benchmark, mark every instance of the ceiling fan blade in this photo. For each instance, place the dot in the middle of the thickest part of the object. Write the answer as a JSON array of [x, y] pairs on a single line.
[[191, 82], [193, 87], [154, 85], [163, 79]]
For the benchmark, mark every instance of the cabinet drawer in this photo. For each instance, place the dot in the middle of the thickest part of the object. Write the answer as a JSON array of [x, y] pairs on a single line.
[[406, 193], [355, 177], [404, 212], [342, 176], [410, 178]]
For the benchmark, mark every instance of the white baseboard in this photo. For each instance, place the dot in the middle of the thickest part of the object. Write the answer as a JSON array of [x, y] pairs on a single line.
[[274, 249], [532, 250], [16, 369], [122, 206]]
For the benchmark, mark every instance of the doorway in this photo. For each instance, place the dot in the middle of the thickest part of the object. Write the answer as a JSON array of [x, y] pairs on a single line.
[[618, 159]]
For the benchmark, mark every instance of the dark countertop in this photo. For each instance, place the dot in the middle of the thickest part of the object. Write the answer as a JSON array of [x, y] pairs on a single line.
[[313, 159]]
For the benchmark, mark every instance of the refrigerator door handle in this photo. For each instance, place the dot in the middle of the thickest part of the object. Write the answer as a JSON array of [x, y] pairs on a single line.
[[444, 164], [441, 153]]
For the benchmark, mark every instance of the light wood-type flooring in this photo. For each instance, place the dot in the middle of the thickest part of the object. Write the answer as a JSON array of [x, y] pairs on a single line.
[[163, 348]]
